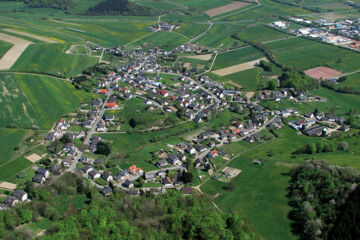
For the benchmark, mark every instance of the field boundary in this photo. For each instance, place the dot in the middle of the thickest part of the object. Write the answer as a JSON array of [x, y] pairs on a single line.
[[13, 54], [237, 68]]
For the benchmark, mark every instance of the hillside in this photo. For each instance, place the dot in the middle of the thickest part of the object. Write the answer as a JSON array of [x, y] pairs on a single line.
[[120, 7]]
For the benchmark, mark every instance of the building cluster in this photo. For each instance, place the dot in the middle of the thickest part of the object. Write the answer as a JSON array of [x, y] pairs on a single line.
[[168, 27]]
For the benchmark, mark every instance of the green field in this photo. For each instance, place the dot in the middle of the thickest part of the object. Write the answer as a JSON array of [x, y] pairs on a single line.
[[219, 36], [12, 168], [202, 5], [261, 189], [162, 6], [166, 40], [36, 100], [234, 57], [50, 58], [352, 81], [9, 139], [305, 54], [191, 29], [4, 47], [261, 33]]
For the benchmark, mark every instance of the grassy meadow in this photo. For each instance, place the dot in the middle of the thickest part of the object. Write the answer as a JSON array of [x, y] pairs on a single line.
[[4, 47], [9, 139], [51, 59], [166, 40], [13, 167]]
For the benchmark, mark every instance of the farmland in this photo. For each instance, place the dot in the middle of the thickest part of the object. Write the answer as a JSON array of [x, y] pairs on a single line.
[[234, 57], [36, 100], [352, 81], [4, 47], [261, 33], [9, 139], [51, 59], [305, 54], [167, 40], [12, 168]]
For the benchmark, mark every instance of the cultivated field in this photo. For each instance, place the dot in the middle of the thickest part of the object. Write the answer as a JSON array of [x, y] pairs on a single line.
[[11, 56], [44, 39], [227, 8], [322, 73], [237, 68], [205, 57], [51, 58], [9, 139], [166, 40]]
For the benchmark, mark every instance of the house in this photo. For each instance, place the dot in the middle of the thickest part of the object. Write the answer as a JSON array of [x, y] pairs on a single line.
[[128, 184], [50, 137], [161, 163], [166, 181], [94, 174], [43, 172], [150, 175], [20, 194], [67, 161], [11, 201], [86, 169], [103, 91], [191, 150], [107, 176], [134, 192], [316, 131], [214, 153], [206, 135], [106, 191], [344, 128], [39, 178], [98, 161], [187, 190], [198, 163], [97, 102], [135, 170], [111, 105], [200, 148], [174, 159], [109, 118]]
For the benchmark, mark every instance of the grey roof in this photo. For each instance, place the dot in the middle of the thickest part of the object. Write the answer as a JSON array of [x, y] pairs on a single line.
[[18, 193]]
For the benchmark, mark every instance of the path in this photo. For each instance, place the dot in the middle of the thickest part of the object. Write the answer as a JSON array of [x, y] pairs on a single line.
[[11, 56]]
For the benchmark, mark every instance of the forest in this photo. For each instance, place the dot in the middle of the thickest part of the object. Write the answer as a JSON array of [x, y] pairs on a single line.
[[120, 7], [87, 214], [318, 194], [59, 4]]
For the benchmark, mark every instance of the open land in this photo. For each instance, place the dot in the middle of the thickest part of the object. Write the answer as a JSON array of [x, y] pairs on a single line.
[[47, 40], [227, 8], [237, 68], [322, 73]]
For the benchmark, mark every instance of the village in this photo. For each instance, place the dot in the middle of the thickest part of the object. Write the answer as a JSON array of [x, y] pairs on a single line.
[[74, 140]]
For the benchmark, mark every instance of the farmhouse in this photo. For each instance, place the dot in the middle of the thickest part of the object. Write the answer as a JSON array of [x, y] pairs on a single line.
[[316, 131], [20, 194]]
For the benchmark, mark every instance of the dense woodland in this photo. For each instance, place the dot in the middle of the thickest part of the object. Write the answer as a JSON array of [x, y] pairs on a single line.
[[119, 216], [120, 7], [59, 4], [318, 195]]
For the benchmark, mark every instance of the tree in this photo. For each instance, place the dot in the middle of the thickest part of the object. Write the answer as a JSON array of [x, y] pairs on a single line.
[[231, 186], [132, 123], [187, 177], [272, 84], [56, 146], [311, 148], [103, 148], [25, 215], [65, 139]]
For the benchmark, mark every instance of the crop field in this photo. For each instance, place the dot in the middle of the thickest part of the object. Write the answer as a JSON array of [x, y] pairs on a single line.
[[9, 139], [238, 56], [226, 8], [261, 33], [166, 40], [305, 54], [50, 58], [191, 29], [29, 100], [268, 9], [261, 189], [160, 5], [238, 67], [202, 5], [220, 36], [4, 47]]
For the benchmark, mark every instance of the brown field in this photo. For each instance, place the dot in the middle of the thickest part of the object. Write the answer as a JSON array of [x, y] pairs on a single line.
[[250, 94], [44, 39], [15, 51], [205, 57], [7, 186], [33, 157], [227, 8], [237, 68], [322, 73]]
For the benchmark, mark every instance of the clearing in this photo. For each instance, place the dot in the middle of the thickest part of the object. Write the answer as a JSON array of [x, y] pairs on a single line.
[[33, 157], [227, 8], [44, 39], [11, 56], [7, 186], [237, 68], [322, 73]]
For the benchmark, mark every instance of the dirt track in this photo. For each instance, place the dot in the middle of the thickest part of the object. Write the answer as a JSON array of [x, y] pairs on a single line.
[[237, 68], [44, 39], [15, 51], [227, 8]]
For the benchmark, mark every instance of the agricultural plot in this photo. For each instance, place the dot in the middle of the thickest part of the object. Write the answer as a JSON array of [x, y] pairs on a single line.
[[165, 40], [10, 139], [202, 5], [238, 68], [322, 73], [191, 29], [261, 33], [352, 81], [161, 5], [249, 79], [28, 100], [40, 38], [220, 36], [226, 8], [50, 58], [267, 9], [12, 168], [4, 47], [304, 54], [238, 56]]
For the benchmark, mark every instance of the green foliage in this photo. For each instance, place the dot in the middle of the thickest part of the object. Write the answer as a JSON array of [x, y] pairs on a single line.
[[59, 4], [293, 79], [316, 192], [103, 148], [120, 7], [187, 177]]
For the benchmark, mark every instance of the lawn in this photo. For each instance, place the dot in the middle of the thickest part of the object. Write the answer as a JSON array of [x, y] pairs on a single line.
[[50, 58], [305, 54], [4, 47], [9, 139], [234, 57], [31, 100], [12, 168]]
